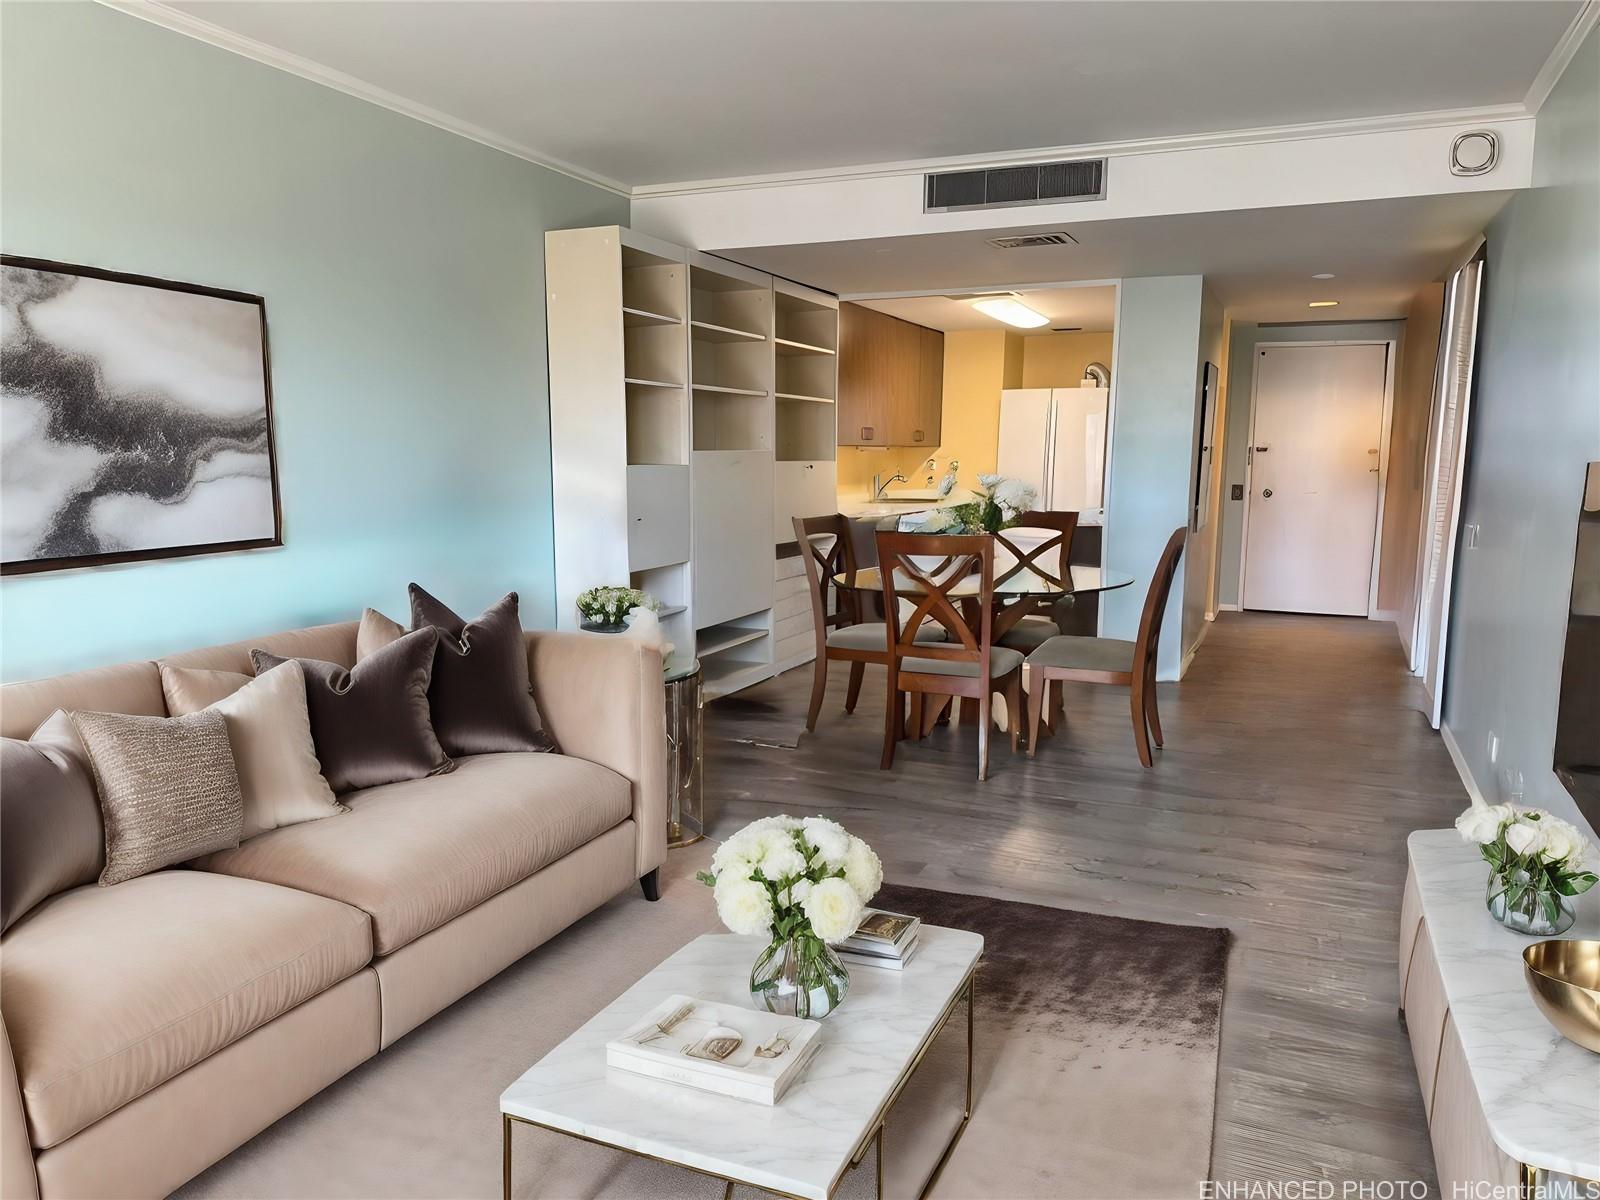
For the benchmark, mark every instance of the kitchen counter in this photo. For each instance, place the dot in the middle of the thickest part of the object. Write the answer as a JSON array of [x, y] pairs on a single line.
[[860, 506]]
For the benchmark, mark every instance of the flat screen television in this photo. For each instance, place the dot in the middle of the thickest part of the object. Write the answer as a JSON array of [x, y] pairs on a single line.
[[1578, 717]]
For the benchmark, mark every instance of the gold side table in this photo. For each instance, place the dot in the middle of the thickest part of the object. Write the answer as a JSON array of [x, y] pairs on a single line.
[[686, 814]]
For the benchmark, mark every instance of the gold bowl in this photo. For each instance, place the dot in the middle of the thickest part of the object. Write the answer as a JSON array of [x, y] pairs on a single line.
[[1564, 977]]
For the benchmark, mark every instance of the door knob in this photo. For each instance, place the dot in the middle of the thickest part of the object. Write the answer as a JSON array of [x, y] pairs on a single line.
[[1266, 493]]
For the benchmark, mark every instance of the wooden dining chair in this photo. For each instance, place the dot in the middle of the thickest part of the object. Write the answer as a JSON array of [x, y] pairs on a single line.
[[1028, 628], [967, 664], [1110, 660], [842, 636]]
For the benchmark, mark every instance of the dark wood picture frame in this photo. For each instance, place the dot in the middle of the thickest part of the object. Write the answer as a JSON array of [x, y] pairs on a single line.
[[35, 566]]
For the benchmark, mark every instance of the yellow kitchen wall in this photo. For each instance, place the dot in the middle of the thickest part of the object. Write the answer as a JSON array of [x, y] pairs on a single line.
[[1058, 359], [978, 365]]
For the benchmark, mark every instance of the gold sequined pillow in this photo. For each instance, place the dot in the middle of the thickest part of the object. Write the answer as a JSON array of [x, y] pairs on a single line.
[[168, 788]]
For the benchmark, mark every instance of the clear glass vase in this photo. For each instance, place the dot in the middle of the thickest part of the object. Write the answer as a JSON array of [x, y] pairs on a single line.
[[799, 976], [1521, 907]]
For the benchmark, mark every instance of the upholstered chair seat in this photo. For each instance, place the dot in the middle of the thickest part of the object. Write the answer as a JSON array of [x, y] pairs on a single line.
[[1001, 662], [1030, 633], [874, 635], [1084, 654]]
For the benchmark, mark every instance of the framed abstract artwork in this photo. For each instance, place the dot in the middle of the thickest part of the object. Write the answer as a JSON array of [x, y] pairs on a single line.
[[135, 419]]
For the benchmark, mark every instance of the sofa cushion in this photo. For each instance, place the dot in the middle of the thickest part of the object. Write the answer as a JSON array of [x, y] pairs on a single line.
[[418, 853], [126, 688], [371, 723], [50, 834], [269, 729], [108, 992], [327, 643], [169, 790]]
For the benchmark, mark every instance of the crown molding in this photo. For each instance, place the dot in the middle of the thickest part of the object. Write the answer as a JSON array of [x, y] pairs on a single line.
[[1561, 57], [158, 13], [201, 30], [1482, 115]]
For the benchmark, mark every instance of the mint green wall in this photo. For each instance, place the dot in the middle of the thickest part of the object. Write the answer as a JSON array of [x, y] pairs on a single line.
[[1157, 381], [403, 273], [1535, 424]]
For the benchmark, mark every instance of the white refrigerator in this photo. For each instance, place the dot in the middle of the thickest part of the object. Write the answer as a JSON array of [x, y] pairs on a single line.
[[1055, 439]]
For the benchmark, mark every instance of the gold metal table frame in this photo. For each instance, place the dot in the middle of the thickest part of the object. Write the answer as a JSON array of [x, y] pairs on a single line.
[[871, 1139]]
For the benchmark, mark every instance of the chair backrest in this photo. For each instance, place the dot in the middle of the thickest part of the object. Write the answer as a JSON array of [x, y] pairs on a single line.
[[823, 561], [927, 589], [1056, 549], [1155, 604]]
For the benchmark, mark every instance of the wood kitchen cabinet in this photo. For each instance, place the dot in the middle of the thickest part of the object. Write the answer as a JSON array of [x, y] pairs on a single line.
[[891, 380]]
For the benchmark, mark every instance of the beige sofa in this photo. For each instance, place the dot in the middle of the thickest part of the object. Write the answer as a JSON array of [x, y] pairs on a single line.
[[152, 1027]]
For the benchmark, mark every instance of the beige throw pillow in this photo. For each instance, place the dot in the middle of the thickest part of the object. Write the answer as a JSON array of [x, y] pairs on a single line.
[[168, 788], [375, 632], [189, 689], [269, 728]]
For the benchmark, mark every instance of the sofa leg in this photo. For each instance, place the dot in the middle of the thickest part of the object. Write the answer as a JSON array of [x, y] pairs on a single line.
[[651, 884]]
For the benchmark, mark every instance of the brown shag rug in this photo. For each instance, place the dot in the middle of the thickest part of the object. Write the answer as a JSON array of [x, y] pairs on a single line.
[[1095, 1071]]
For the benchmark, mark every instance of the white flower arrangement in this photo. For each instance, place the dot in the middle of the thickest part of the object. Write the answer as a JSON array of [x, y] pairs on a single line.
[[1533, 857], [608, 605], [1001, 504], [790, 877]]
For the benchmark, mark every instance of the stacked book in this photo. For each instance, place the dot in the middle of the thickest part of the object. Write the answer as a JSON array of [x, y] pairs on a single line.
[[882, 939], [716, 1047]]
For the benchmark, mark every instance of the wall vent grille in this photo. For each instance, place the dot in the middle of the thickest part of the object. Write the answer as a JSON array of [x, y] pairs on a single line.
[[1010, 187]]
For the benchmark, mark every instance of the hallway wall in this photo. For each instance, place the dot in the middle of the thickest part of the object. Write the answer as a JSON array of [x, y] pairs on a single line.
[[1535, 424]]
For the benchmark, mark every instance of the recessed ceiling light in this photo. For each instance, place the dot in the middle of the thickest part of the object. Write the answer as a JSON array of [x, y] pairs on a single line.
[[1012, 312], [1323, 275], [1323, 304]]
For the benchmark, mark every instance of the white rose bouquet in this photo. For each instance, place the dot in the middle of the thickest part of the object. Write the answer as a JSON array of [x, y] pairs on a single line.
[[1001, 503], [606, 606], [802, 883], [1537, 863]]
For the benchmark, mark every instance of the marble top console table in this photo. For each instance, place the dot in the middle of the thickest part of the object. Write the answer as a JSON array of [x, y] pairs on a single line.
[[1509, 1100]]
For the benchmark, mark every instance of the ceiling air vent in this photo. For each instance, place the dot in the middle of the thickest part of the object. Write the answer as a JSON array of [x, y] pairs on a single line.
[[1009, 187], [1022, 241]]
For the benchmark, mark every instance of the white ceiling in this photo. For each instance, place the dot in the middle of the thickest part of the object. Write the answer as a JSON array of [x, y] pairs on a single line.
[[653, 91], [1258, 262], [1091, 309]]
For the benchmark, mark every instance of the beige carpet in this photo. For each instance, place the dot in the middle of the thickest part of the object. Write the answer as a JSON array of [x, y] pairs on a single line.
[[1095, 1072]]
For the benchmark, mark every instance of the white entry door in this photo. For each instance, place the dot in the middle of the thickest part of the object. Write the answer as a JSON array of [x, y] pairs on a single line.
[[1313, 507]]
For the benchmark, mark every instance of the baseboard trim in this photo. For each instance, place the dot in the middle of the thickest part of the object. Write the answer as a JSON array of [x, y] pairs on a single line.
[[1229, 608], [1474, 792], [1385, 614]]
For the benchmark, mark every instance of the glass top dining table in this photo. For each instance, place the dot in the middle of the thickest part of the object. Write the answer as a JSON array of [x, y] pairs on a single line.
[[1027, 582]]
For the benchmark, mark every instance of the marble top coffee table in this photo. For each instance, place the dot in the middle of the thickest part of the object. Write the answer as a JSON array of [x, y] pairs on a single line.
[[826, 1122]]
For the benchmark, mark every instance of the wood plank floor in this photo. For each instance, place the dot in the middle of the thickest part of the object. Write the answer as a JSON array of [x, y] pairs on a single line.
[[1297, 761]]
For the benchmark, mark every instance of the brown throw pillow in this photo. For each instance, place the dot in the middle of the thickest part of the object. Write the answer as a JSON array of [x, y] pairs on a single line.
[[481, 696], [50, 838], [168, 788], [371, 724]]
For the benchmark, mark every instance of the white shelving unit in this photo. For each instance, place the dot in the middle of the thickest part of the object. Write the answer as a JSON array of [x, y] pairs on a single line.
[[691, 417]]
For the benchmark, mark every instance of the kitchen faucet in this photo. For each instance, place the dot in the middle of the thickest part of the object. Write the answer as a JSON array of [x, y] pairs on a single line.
[[877, 488]]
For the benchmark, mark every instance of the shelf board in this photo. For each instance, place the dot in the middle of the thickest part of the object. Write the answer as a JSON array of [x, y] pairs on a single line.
[[632, 318], [807, 399], [655, 383], [671, 610], [789, 346], [728, 391], [724, 639], [707, 332]]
